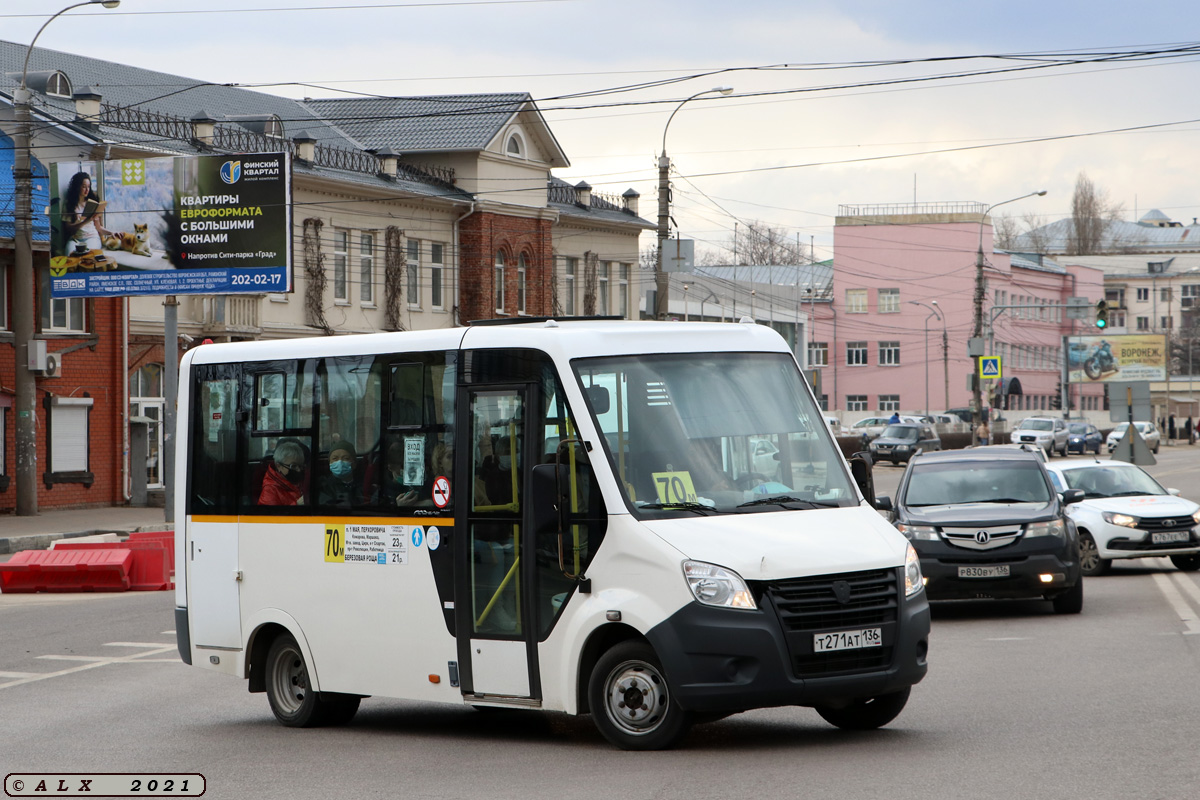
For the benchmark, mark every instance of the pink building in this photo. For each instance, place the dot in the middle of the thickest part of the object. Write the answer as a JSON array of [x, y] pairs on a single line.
[[894, 335]]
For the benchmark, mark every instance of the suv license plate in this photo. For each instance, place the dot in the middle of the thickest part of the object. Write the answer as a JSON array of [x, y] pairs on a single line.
[[847, 640], [1170, 536], [983, 572]]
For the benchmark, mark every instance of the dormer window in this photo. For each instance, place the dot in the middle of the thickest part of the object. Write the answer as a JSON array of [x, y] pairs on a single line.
[[515, 146], [59, 85], [268, 125]]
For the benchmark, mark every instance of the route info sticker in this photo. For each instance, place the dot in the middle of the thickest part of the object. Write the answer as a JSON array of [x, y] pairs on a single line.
[[366, 544]]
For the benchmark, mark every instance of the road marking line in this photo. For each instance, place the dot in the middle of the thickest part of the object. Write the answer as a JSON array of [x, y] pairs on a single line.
[[157, 661], [18, 674], [93, 661], [133, 644], [168, 633], [1010, 639], [1189, 587], [1186, 615]]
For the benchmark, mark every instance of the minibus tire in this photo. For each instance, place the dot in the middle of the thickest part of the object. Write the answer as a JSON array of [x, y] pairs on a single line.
[[866, 714], [631, 669], [293, 700]]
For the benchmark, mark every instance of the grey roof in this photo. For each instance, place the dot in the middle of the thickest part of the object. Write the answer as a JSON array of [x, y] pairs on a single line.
[[600, 208], [1119, 236], [447, 123], [1137, 265], [818, 275], [1034, 261]]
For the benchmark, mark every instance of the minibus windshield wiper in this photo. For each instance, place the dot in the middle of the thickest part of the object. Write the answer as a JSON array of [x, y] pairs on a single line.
[[682, 506], [778, 501]]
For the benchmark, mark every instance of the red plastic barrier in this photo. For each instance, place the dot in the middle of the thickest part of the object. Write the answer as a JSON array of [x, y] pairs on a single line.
[[67, 571], [150, 570], [165, 538]]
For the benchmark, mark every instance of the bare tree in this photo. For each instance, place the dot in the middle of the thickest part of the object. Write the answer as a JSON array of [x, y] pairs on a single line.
[[1005, 230], [1091, 215], [1035, 234]]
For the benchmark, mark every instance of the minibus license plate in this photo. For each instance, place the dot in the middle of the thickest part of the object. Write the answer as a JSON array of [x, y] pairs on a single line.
[[983, 572], [1170, 536], [847, 640]]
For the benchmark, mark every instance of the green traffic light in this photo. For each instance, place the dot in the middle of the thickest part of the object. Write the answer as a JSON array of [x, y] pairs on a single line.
[[1101, 323]]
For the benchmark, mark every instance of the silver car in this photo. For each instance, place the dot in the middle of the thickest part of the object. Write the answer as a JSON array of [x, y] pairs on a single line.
[[1048, 433]]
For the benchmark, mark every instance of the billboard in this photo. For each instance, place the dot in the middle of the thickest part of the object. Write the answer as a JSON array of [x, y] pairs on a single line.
[[1119, 358], [211, 224]]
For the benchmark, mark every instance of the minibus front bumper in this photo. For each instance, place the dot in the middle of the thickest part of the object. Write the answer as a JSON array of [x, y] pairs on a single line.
[[720, 659]]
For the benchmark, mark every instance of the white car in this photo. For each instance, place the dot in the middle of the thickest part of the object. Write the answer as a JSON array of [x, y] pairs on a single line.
[[1148, 431], [1125, 513], [1048, 433], [870, 427], [836, 427]]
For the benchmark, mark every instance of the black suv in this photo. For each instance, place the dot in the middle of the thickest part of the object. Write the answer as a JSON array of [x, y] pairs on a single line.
[[989, 523]]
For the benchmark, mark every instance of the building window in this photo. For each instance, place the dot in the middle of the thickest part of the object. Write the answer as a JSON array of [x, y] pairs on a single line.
[[59, 86], [824, 402], [818, 354], [1117, 319], [341, 259], [889, 301], [3, 302], [889, 354], [889, 402], [856, 301], [856, 354], [437, 263], [61, 314], [413, 271], [67, 435], [1116, 297], [1143, 294], [1166, 323], [572, 268], [515, 146], [602, 288], [366, 268], [1164, 294], [499, 278], [522, 271], [856, 402], [623, 290], [1143, 323]]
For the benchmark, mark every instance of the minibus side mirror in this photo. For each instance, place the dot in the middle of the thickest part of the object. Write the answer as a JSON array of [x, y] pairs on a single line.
[[860, 468]]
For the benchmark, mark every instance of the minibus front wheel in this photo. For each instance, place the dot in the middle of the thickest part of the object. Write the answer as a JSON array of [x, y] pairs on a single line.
[[630, 701]]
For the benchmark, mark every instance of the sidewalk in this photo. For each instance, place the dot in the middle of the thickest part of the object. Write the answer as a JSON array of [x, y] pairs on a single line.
[[36, 533]]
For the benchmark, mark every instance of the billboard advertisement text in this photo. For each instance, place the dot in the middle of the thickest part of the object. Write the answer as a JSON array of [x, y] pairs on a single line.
[[1127, 357]]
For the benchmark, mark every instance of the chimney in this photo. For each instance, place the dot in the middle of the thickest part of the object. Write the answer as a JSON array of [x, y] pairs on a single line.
[[203, 127], [631, 201], [583, 194], [306, 147], [389, 162], [87, 106]]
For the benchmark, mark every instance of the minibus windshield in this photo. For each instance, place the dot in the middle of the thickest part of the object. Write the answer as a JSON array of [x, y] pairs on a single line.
[[700, 433]]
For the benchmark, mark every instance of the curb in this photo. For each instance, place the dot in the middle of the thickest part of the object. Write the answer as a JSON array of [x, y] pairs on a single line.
[[42, 541]]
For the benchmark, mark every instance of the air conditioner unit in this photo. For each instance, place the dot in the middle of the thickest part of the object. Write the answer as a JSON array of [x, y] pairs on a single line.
[[53, 365]]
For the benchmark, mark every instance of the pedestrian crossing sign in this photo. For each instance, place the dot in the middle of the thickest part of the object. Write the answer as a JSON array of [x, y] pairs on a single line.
[[989, 367]]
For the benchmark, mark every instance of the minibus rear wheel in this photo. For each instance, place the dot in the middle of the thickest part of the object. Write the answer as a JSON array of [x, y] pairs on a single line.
[[630, 701], [867, 713], [293, 700]]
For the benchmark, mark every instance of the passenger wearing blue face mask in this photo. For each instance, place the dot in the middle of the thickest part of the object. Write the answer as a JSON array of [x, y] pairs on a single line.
[[340, 487]]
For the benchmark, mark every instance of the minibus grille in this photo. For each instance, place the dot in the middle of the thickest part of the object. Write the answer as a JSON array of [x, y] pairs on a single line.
[[811, 604]]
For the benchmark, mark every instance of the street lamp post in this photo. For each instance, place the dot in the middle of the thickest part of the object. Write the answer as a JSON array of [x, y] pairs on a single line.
[[662, 282], [980, 291], [25, 431], [933, 312], [945, 355]]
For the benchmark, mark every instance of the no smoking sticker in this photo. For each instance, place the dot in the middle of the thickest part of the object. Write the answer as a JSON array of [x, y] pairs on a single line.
[[441, 491]]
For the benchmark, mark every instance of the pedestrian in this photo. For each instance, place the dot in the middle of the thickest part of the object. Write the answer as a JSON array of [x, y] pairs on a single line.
[[982, 434], [1171, 429], [894, 418], [1189, 430]]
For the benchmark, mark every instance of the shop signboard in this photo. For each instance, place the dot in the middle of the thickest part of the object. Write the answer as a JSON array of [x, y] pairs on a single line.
[[210, 224]]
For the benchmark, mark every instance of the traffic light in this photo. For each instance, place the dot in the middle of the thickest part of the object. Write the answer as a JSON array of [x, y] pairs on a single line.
[[1102, 314]]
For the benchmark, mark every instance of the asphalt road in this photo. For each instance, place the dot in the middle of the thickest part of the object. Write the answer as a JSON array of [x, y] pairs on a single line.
[[1019, 703]]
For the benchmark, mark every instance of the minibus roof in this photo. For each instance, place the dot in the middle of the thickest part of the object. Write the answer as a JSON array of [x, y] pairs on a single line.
[[567, 338]]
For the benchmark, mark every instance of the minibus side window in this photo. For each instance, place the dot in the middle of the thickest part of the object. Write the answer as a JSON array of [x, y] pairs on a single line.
[[415, 463], [277, 430], [350, 399], [214, 468]]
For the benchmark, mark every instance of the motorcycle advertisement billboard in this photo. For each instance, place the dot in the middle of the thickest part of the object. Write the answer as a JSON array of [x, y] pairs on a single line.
[[1124, 357], [212, 224]]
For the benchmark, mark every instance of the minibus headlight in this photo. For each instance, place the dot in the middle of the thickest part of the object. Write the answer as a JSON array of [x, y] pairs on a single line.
[[1055, 527], [1124, 520], [717, 586], [912, 572]]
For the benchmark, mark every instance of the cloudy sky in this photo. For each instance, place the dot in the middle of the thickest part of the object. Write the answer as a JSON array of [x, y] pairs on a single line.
[[834, 103]]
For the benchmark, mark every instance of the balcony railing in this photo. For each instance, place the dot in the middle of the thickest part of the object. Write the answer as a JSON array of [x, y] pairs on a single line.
[[229, 315]]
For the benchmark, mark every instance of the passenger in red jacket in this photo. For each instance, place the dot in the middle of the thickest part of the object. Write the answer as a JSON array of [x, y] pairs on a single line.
[[283, 485]]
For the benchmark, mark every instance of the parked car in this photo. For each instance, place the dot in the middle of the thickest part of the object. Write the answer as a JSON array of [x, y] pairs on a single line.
[[1125, 513], [835, 426], [1048, 433], [964, 414], [988, 522], [870, 427], [900, 441], [1082, 437], [1149, 432], [921, 419]]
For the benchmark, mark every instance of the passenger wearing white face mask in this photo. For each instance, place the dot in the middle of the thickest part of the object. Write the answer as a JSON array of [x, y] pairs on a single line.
[[341, 486]]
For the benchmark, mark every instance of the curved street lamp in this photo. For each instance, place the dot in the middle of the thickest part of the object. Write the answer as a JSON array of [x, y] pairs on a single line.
[[661, 281], [933, 312], [25, 431], [980, 292]]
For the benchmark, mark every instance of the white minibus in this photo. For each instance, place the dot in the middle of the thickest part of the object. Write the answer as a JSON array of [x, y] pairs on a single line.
[[647, 522]]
